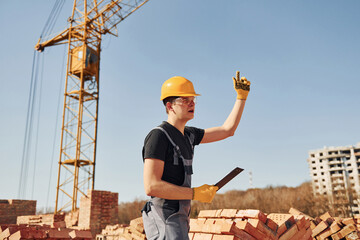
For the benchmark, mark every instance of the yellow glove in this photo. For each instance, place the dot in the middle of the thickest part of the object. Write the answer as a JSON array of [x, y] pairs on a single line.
[[242, 86], [204, 193]]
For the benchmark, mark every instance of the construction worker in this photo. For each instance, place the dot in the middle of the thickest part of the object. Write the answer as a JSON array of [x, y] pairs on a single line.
[[168, 152]]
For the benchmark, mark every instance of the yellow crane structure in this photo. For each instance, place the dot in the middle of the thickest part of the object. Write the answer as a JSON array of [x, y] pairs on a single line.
[[88, 22]]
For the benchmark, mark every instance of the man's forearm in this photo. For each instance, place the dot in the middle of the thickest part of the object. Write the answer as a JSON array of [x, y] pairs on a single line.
[[162, 189], [232, 121]]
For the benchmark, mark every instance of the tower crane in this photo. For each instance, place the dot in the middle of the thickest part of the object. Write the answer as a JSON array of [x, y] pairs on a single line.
[[88, 22]]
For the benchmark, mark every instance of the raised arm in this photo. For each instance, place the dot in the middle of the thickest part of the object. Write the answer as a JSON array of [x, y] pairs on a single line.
[[242, 87]]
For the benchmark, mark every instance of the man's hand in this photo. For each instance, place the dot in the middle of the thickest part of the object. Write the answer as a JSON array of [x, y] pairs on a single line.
[[242, 86], [204, 193]]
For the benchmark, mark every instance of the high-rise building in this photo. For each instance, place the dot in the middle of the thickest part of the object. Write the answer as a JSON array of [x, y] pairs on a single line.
[[335, 172]]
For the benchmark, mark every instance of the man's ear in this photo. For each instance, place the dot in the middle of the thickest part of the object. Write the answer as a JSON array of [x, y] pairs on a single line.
[[168, 107]]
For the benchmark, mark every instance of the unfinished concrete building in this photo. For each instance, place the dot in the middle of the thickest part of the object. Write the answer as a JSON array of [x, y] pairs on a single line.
[[335, 172]]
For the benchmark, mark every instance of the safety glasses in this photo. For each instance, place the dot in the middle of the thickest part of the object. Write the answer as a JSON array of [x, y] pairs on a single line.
[[185, 100]]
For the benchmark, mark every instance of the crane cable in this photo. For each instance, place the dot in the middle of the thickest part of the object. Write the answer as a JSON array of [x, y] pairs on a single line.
[[54, 14], [28, 127], [37, 127], [30, 109]]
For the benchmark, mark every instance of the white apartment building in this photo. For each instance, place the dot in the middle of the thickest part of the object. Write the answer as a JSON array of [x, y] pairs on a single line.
[[335, 172]]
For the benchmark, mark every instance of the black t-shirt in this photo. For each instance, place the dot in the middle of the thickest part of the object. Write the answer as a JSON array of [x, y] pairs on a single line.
[[158, 146]]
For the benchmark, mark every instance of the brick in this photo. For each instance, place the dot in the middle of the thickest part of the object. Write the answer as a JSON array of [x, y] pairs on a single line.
[[134, 231], [289, 233], [229, 227], [317, 220], [228, 213], [307, 235], [227, 237], [138, 235], [286, 224], [347, 221], [202, 236], [191, 236], [301, 222], [127, 234], [196, 225], [28, 233], [210, 226], [3, 227], [335, 226], [312, 225], [319, 228], [250, 229], [242, 235], [58, 234], [17, 236], [343, 232], [72, 218], [8, 231], [300, 234], [252, 213], [352, 236], [209, 213], [280, 218], [77, 234], [325, 234], [294, 211], [137, 223], [263, 228], [325, 216], [60, 224], [271, 224]]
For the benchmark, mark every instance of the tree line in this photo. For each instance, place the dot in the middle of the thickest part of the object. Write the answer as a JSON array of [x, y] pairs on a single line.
[[272, 199]]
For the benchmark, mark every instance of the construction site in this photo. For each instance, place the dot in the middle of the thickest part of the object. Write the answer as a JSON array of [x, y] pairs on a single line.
[[279, 188]]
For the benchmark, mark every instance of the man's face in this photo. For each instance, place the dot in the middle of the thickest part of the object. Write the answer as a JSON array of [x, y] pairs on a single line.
[[184, 107]]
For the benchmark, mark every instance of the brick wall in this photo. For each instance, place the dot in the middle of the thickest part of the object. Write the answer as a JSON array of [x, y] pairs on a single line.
[[98, 209], [10, 209]]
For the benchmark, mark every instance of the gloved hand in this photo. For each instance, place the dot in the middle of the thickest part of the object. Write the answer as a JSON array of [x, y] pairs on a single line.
[[204, 193], [242, 86]]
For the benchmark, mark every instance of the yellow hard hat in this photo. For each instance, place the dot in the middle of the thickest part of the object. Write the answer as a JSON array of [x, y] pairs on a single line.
[[177, 86]]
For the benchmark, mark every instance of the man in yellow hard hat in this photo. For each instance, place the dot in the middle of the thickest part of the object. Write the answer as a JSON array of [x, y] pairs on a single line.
[[168, 154]]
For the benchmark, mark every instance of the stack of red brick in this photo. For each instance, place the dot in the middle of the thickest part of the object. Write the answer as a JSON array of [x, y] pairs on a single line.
[[23, 231], [42, 219], [328, 227], [10, 209], [249, 224], [112, 232], [134, 231], [98, 209]]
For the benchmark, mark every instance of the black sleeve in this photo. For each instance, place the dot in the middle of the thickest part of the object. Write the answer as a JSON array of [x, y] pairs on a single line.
[[155, 145], [198, 133]]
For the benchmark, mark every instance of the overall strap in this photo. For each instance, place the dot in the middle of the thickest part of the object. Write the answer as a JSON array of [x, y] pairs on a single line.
[[191, 138], [167, 135], [177, 152]]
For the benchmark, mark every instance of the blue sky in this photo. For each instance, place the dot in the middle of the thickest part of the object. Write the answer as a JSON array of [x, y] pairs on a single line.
[[302, 58]]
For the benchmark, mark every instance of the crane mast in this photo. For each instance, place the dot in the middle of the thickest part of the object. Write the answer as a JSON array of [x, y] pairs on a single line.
[[88, 22]]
